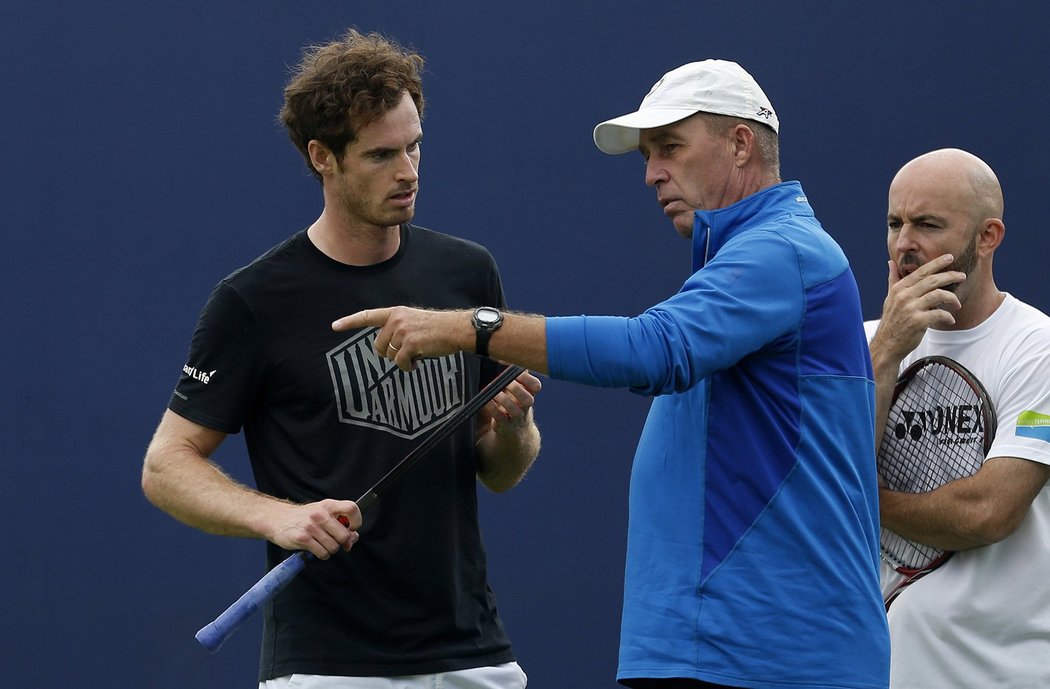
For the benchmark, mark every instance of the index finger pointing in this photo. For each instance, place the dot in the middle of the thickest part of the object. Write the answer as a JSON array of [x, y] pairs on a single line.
[[376, 317]]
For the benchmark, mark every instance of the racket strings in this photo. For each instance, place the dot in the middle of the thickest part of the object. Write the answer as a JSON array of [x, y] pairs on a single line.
[[935, 433]]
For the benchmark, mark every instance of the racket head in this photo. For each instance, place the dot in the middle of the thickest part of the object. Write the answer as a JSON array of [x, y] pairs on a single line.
[[940, 426]]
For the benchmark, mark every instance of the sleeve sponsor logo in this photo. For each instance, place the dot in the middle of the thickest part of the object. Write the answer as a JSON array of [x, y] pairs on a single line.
[[1031, 424], [201, 376]]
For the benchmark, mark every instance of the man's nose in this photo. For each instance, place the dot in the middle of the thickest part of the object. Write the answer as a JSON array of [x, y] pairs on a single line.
[[654, 173]]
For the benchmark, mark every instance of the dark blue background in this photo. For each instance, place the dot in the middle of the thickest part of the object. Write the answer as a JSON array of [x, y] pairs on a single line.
[[142, 163]]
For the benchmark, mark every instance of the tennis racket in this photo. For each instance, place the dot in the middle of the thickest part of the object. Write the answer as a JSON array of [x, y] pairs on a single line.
[[214, 634], [940, 426]]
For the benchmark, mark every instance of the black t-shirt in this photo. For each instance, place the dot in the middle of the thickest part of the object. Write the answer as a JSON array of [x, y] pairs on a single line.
[[324, 417]]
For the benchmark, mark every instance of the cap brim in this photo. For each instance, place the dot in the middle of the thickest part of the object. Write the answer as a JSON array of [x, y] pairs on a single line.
[[621, 134]]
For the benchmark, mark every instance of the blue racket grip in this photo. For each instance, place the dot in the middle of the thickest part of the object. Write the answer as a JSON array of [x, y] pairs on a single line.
[[213, 635]]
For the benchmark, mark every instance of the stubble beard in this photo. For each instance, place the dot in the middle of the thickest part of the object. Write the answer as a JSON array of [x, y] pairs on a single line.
[[963, 263], [373, 214]]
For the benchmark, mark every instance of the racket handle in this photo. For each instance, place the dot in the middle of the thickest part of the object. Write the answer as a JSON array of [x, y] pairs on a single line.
[[213, 635]]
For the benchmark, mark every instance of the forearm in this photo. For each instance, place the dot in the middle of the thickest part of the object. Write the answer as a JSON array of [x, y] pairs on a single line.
[[956, 516], [198, 493], [407, 335], [506, 453], [886, 368], [522, 340], [179, 478], [971, 512]]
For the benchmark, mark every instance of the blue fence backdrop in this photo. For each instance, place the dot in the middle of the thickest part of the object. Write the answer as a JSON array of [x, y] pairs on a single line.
[[141, 163]]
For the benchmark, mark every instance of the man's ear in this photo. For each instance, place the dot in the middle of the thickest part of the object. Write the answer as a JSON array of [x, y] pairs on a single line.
[[743, 141], [321, 157], [990, 236]]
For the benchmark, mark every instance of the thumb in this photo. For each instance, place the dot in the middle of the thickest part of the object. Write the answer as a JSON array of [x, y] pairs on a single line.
[[348, 514]]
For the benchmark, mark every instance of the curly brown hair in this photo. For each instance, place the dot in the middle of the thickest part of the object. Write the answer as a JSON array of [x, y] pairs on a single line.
[[340, 87]]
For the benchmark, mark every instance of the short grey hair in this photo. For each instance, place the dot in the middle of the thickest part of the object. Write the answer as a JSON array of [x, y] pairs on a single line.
[[766, 139]]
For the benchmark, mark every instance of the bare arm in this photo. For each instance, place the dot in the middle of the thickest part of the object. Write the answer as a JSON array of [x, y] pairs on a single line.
[[179, 478], [418, 333], [508, 440], [968, 513]]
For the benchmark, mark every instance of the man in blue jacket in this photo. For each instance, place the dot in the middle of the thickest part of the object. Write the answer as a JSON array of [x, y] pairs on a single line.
[[753, 539]]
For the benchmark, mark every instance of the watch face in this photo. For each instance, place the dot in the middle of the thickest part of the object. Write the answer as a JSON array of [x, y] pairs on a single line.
[[487, 315]]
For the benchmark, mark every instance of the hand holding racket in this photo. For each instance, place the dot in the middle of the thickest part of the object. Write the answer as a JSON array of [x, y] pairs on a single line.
[[940, 427], [214, 634]]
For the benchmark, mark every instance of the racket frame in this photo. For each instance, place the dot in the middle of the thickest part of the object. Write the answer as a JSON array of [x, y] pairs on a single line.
[[912, 574]]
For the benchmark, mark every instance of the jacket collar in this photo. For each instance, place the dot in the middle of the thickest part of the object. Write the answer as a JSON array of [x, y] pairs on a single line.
[[712, 229]]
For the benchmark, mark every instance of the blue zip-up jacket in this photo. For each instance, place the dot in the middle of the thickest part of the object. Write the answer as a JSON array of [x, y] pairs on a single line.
[[752, 554]]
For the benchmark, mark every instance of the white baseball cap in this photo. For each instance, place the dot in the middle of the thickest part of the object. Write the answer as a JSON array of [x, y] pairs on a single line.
[[719, 87]]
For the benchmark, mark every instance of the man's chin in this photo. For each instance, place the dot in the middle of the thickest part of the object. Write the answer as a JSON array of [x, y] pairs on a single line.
[[684, 226], [401, 217]]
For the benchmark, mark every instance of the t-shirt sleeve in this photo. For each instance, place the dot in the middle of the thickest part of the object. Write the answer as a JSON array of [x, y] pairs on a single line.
[[221, 377], [1024, 407]]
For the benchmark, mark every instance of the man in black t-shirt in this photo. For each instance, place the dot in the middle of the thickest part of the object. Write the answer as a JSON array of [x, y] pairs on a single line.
[[324, 417]]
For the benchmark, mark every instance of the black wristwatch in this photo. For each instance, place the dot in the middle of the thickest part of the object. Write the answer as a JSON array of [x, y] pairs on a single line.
[[486, 321]]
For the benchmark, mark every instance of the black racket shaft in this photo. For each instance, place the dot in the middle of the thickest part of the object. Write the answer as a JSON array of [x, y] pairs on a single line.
[[472, 407]]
